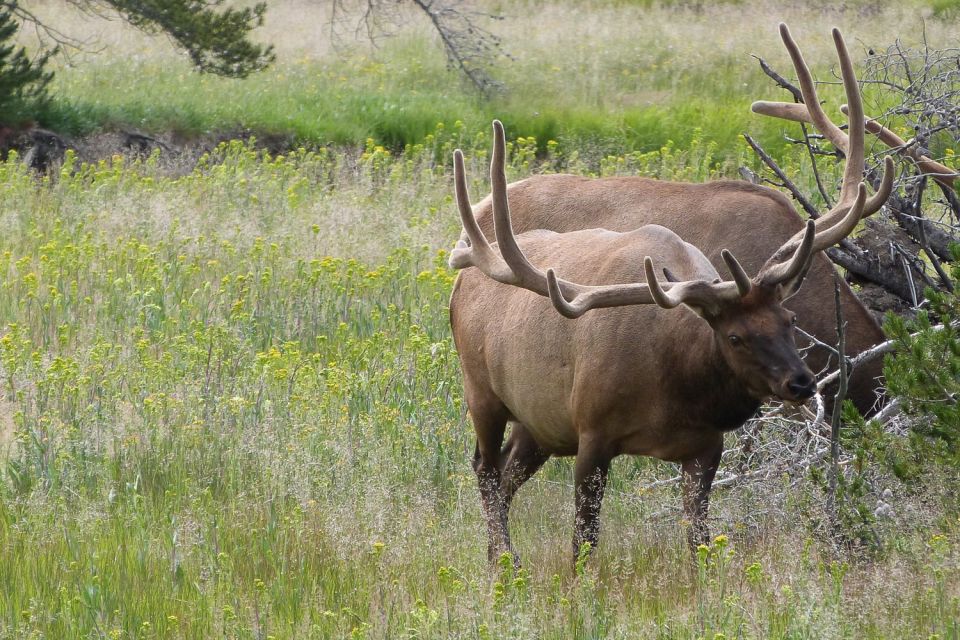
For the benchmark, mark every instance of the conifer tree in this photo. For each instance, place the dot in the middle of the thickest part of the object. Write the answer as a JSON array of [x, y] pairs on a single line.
[[925, 371], [23, 82]]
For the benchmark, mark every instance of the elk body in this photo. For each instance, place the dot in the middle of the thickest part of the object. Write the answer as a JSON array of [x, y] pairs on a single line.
[[636, 376], [751, 221]]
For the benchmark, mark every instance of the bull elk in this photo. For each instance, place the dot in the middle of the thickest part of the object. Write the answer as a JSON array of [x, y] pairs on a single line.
[[753, 222], [635, 376]]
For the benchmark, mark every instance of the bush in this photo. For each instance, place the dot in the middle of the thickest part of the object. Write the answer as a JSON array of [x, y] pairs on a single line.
[[925, 371]]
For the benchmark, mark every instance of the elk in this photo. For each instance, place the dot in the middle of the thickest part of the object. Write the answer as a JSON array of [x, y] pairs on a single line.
[[636, 376], [752, 221]]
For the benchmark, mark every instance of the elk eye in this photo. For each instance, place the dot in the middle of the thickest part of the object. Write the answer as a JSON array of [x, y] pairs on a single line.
[[734, 340]]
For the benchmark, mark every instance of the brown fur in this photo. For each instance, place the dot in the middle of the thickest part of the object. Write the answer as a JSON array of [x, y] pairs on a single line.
[[749, 220], [639, 380]]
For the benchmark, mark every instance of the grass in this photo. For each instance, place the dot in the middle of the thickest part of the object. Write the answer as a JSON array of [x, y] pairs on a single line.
[[599, 77], [229, 400], [231, 408]]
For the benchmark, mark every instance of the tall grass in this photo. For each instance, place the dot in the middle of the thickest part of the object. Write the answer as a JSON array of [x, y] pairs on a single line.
[[229, 400], [231, 408]]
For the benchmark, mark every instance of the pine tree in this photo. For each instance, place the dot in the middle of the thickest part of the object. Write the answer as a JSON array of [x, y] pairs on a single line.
[[216, 40], [23, 82], [925, 371]]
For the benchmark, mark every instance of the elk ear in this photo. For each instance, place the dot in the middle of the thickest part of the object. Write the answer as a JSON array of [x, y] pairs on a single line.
[[788, 289], [708, 311]]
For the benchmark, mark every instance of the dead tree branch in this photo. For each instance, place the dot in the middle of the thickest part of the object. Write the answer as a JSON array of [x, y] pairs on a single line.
[[784, 180], [915, 90], [470, 47], [833, 471]]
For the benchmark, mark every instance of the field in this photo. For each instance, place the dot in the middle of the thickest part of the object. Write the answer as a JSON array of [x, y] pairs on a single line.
[[231, 406], [599, 77]]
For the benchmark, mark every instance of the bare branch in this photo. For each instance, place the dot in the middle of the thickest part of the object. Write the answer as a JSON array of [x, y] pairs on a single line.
[[470, 47], [833, 470], [779, 79], [787, 183]]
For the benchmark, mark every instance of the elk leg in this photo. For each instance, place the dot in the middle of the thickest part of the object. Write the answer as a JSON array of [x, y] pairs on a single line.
[[523, 458], [697, 477], [487, 463], [590, 479]]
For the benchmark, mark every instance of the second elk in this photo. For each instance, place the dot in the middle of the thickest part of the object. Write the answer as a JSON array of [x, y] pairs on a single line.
[[751, 220], [651, 368]]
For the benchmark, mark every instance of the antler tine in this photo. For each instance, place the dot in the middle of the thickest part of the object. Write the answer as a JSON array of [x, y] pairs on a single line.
[[809, 91], [853, 145], [775, 272], [871, 206], [479, 253], [879, 197], [705, 295], [661, 297], [853, 168], [812, 242], [740, 276], [839, 231], [525, 273], [939, 172]]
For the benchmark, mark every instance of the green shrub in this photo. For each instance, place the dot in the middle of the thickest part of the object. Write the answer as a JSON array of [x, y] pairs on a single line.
[[925, 372]]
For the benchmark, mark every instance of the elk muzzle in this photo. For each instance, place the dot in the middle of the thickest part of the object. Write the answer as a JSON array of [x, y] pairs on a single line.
[[799, 386]]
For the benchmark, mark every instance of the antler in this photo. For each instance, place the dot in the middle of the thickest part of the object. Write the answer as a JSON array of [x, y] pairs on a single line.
[[811, 112], [939, 172], [511, 266], [798, 113], [792, 272], [814, 115], [508, 264], [852, 146]]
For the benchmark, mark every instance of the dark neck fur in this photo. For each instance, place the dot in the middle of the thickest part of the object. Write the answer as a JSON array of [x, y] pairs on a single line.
[[715, 397]]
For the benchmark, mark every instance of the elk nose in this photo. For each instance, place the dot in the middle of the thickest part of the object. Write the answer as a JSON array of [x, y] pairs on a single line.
[[802, 385]]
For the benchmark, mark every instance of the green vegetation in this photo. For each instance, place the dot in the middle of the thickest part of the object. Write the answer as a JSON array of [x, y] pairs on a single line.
[[600, 78], [925, 372], [23, 82], [230, 405]]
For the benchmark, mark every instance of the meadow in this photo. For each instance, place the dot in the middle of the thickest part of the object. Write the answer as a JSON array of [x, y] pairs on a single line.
[[231, 406], [598, 77]]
